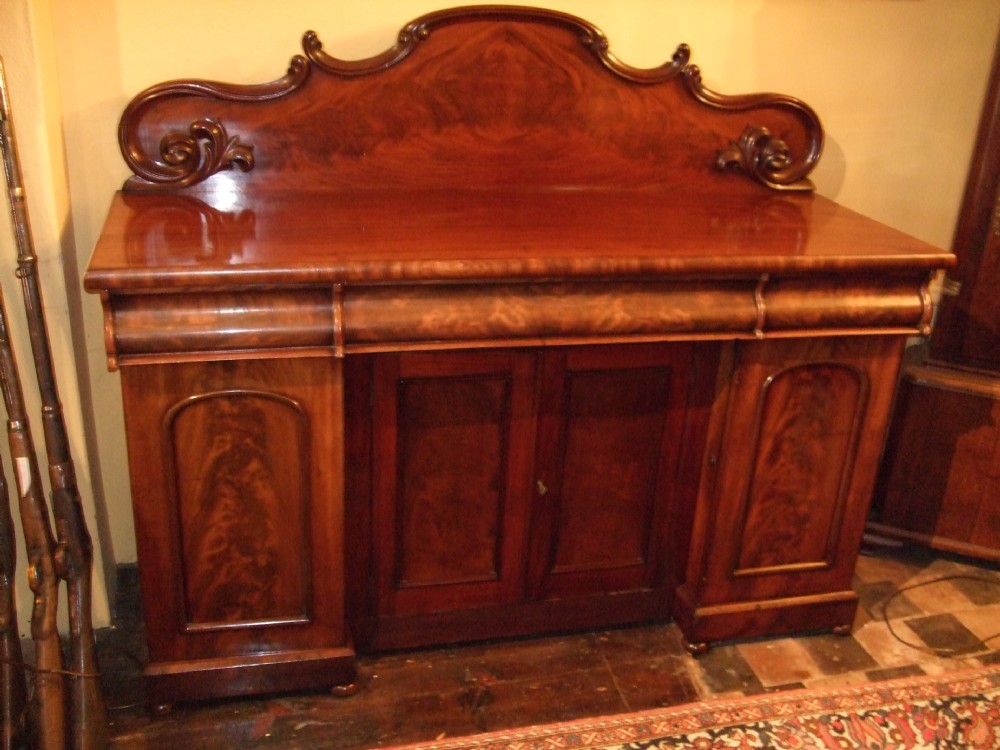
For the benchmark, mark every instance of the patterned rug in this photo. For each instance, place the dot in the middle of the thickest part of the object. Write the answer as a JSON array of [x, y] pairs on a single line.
[[956, 710]]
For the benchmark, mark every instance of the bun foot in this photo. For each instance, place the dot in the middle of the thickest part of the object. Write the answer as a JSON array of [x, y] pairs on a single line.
[[697, 649], [344, 691]]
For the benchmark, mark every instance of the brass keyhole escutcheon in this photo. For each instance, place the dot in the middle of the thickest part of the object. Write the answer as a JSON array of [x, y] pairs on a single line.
[[540, 486]]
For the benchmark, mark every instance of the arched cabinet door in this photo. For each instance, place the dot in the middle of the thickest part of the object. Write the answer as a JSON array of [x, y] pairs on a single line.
[[238, 500], [792, 470]]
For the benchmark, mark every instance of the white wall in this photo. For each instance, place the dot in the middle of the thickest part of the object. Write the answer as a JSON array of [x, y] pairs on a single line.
[[898, 84]]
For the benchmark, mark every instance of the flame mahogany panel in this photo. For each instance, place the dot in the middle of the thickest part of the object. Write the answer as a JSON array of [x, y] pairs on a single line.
[[240, 463], [611, 423], [808, 420]]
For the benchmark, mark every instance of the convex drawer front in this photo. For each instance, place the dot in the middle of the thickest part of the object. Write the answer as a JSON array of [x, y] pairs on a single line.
[[518, 478]]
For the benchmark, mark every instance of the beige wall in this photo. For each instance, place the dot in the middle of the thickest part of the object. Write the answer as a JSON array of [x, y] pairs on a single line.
[[898, 84], [27, 47]]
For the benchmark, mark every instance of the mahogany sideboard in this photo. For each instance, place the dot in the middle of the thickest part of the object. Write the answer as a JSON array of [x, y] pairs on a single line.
[[491, 334]]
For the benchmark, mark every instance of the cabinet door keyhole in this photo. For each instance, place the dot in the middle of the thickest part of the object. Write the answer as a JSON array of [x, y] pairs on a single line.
[[540, 486]]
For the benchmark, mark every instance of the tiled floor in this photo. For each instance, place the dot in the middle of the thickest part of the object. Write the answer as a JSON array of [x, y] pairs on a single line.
[[943, 614]]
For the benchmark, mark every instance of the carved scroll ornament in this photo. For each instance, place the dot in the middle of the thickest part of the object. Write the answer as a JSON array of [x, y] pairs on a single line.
[[188, 156]]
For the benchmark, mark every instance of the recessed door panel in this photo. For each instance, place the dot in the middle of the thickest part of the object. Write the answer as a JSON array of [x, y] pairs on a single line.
[[451, 478], [452, 437], [610, 429], [235, 482], [613, 425]]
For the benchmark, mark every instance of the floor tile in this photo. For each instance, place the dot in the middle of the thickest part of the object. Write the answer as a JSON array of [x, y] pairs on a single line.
[[876, 596], [933, 595], [893, 645], [984, 622], [836, 654], [723, 670], [831, 682], [982, 587], [945, 634], [889, 566], [992, 657], [894, 673], [779, 661]]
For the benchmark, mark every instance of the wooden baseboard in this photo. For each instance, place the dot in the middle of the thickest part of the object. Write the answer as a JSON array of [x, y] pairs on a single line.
[[936, 542]]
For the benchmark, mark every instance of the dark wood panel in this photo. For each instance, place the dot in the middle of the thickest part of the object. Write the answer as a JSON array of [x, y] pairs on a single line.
[[613, 426], [940, 482], [451, 466], [794, 449], [610, 426], [453, 443], [548, 105], [967, 330]]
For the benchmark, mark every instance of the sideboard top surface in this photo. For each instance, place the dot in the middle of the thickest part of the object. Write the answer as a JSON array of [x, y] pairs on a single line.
[[371, 236]]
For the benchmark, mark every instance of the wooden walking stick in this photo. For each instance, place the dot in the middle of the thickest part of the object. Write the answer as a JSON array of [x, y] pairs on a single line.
[[47, 700], [12, 682], [74, 554]]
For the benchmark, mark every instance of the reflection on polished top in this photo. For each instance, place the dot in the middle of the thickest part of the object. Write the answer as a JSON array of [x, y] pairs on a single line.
[[379, 235]]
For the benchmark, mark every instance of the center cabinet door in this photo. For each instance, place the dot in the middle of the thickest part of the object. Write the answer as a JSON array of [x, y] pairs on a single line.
[[453, 444], [510, 476], [610, 421]]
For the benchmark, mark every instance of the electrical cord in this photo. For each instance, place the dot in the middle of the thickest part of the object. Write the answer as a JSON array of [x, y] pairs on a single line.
[[944, 652]]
